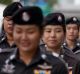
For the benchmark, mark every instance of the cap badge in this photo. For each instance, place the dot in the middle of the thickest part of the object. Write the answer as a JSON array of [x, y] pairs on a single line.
[[25, 17], [59, 18], [19, 6], [74, 19]]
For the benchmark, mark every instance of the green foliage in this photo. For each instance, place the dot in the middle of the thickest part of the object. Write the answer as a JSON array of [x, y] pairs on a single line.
[[5, 1]]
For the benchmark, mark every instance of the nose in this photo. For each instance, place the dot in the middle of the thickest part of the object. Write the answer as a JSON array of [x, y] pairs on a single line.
[[10, 22], [53, 34], [24, 37], [71, 31]]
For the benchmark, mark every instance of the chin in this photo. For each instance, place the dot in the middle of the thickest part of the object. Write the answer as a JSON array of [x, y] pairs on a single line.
[[24, 49], [52, 46]]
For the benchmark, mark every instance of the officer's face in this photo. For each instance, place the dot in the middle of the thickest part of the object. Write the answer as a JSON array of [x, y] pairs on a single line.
[[8, 28], [71, 31], [26, 37], [53, 36]]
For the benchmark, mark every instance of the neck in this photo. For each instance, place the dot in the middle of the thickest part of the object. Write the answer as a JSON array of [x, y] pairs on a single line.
[[70, 43], [10, 39], [26, 56]]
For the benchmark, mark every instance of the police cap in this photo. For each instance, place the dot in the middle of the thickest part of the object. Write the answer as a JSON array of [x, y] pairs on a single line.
[[28, 15], [10, 9], [54, 19], [72, 20]]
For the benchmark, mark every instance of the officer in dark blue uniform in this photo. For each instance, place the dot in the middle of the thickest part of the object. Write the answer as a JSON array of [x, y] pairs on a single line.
[[72, 30], [71, 45], [27, 58], [53, 38], [6, 38], [53, 33]]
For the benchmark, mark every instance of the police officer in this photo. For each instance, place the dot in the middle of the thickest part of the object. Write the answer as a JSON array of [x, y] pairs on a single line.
[[72, 30], [53, 32], [6, 38], [53, 38], [27, 58], [71, 46]]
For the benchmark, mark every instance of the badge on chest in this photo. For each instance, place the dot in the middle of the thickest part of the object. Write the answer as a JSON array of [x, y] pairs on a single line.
[[8, 68], [43, 69]]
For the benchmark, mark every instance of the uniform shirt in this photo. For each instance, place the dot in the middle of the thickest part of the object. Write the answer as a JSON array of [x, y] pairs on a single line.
[[75, 50], [71, 55], [41, 64], [4, 44], [76, 69], [44, 49], [65, 55]]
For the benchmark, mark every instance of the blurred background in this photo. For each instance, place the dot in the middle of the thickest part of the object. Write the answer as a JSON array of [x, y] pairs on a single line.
[[67, 7]]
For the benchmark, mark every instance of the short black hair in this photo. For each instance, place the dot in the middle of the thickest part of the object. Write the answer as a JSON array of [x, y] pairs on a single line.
[[55, 19]]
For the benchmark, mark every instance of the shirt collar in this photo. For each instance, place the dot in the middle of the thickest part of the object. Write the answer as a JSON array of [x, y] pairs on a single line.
[[3, 38], [77, 44], [37, 57], [12, 56], [55, 54]]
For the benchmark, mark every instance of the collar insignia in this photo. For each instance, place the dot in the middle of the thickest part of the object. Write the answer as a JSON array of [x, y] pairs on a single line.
[[8, 68]]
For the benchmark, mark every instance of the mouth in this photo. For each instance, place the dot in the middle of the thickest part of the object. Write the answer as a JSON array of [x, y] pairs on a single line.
[[25, 44], [71, 35], [52, 41], [10, 28]]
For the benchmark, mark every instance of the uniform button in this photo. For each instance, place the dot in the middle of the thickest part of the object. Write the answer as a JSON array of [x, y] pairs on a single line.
[[43, 56]]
